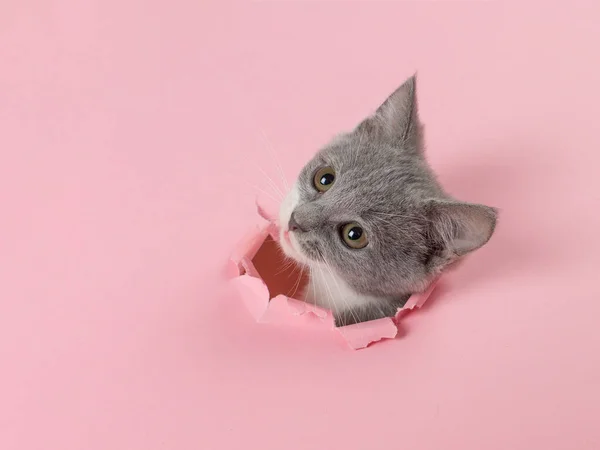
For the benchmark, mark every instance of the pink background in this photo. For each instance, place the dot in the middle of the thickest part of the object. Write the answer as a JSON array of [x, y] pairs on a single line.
[[127, 129]]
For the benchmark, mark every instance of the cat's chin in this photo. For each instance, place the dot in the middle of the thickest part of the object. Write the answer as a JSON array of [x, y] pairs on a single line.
[[291, 248]]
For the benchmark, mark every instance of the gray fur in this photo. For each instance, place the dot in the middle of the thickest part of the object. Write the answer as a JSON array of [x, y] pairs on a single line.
[[384, 183]]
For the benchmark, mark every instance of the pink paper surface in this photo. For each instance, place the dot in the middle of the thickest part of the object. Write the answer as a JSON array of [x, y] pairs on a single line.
[[131, 137]]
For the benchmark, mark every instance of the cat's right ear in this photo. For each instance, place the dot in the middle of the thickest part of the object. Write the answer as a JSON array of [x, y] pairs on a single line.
[[397, 119]]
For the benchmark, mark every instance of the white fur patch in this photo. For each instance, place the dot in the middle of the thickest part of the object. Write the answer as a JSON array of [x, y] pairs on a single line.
[[328, 290]]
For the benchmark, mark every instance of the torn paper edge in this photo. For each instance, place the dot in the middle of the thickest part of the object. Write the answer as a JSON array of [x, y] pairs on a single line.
[[285, 310]]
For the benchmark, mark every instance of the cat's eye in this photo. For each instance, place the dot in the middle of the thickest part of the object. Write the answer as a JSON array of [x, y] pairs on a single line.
[[324, 178], [354, 236]]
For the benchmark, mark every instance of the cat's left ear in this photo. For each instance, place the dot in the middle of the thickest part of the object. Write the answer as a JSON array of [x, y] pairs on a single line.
[[457, 229], [397, 119]]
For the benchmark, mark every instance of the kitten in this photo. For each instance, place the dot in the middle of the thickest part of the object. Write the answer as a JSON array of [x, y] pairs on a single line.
[[371, 222]]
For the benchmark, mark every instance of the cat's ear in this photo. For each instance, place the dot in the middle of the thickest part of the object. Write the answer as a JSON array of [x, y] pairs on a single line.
[[459, 228], [397, 119]]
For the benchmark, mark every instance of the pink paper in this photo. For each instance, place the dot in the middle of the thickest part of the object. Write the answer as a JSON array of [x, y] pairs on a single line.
[[283, 310]]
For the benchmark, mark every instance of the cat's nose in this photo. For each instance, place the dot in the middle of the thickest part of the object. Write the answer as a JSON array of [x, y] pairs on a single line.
[[293, 225]]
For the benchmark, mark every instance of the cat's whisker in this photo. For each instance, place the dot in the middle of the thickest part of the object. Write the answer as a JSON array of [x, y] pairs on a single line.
[[280, 194], [283, 269], [287, 266], [381, 312], [297, 284], [276, 160], [314, 299], [339, 290], [276, 200], [331, 300]]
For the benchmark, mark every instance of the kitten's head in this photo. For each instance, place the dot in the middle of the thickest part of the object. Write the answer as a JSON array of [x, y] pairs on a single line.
[[368, 206]]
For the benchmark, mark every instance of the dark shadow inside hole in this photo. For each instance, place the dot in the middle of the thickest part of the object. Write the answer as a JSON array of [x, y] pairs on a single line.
[[280, 274]]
